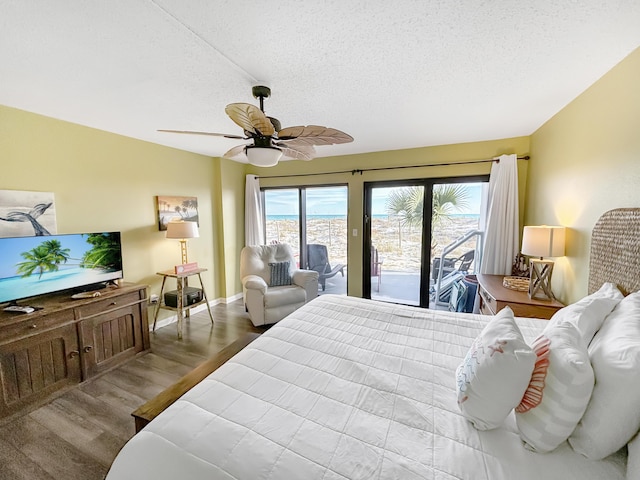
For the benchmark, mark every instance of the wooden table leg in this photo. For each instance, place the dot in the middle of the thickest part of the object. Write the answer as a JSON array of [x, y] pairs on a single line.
[[180, 305], [155, 317], [204, 294]]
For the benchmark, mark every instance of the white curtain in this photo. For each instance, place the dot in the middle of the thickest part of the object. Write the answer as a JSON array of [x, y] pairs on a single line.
[[253, 219], [502, 234]]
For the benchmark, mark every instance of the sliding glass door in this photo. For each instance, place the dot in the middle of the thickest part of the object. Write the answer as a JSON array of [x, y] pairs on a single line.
[[404, 242], [313, 220]]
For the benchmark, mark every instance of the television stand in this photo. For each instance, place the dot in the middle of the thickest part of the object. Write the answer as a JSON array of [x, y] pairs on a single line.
[[66, 342]]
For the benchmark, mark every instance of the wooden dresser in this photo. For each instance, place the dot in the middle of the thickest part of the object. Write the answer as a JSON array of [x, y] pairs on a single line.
[[494, 297], [67, 341]]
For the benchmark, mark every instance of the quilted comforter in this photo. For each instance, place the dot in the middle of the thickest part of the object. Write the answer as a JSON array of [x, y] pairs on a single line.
[[344, 388]]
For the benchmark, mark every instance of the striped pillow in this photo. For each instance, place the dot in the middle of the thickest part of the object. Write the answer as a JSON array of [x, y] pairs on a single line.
[[280, 274], [565, 392]]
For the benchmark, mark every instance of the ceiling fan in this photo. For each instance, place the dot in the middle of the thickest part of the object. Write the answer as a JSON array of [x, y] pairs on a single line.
[[270, 141]]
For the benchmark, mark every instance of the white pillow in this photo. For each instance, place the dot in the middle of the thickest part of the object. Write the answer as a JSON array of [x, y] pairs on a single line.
[[633, 459], [565, 392], [495, 372], [612, 417], [588, 314]]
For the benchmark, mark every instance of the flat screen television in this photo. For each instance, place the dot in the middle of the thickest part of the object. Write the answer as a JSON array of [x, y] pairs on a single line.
[[31, 266]]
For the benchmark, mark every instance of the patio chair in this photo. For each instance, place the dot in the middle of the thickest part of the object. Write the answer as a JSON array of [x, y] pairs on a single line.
[[460, 264], [318, 260]]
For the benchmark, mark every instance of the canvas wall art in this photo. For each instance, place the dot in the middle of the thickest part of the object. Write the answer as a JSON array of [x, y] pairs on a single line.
[[24, 213], [172, 208]]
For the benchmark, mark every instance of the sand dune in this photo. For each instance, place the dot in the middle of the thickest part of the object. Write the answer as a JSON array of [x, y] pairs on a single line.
[[398, 245]]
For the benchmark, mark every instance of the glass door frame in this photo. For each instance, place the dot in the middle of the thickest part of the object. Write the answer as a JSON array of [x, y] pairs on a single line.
[[302, 212], [425, 266]]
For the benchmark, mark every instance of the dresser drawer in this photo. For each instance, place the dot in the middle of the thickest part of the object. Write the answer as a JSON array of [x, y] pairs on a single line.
[[33, 325], [107, 304], [488, 304]]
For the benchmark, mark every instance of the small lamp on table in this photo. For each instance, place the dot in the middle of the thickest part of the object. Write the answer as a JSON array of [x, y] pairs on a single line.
[[182, 231], [542, 241]]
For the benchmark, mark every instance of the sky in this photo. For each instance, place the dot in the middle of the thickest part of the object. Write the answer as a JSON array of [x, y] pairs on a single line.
[[333, 201]]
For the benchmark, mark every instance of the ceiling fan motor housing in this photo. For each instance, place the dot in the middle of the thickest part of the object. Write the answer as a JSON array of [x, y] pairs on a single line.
[[260, 91]]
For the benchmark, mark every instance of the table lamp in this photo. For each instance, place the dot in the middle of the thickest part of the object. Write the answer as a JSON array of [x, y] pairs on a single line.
[[542, 241], [182, 231]]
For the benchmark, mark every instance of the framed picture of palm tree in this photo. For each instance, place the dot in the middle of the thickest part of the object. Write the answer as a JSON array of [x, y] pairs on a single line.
[[171, 208], [25, 214]]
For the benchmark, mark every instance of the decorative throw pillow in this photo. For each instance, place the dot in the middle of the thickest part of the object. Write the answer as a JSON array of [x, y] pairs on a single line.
[[280, 274], [588, 314], [492, 378], [561, 389], [612, 417]]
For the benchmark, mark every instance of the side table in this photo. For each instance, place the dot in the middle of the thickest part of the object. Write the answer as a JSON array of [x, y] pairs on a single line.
[[494, 296], [181, 280]]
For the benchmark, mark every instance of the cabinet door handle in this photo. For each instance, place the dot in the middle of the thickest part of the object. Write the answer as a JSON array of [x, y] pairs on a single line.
[[33, 326], [88, 348], [114, 303], [73, 353]]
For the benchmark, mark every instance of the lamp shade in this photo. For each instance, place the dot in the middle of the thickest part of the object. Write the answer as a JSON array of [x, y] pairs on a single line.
[[543, 241], [182, 230], [263, 156]]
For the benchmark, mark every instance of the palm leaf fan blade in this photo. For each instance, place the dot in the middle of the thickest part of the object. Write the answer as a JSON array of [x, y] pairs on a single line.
[[298, 152], [313, 135], [250, 118], [234, 152]]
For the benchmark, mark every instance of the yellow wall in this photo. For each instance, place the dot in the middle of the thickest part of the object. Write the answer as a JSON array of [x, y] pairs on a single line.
[[232, 181], [585, 161], [420, 157], [107, 182]]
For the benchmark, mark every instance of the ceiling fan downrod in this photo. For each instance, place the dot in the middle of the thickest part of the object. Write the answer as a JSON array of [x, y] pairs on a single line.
[[261, 92]]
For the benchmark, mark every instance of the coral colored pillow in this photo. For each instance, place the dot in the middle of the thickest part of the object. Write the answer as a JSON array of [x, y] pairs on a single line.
[[492, 378], [561, 389], [588, 313], [612, 417]]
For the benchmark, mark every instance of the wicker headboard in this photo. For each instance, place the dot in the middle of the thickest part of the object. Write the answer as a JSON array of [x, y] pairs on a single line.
[[615, 250]]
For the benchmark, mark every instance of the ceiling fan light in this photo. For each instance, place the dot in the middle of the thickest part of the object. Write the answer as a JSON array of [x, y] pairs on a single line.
[[263, 156]]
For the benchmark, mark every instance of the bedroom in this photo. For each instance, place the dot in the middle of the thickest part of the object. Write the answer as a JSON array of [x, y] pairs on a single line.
[[585, 162]]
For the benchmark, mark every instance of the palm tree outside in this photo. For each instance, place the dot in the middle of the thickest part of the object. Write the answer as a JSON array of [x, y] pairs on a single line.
[[407, 204]]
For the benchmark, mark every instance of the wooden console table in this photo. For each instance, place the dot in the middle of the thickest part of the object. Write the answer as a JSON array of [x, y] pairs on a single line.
[[67, 341], [181, 280], [494, 297]]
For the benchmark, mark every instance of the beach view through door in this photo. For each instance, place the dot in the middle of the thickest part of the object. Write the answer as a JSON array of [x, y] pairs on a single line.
[[313, 220], [406, 243], [396, 243]]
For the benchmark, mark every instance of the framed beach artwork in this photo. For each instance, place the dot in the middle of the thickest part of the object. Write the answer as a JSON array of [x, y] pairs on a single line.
[[172, 208], [25, 214]]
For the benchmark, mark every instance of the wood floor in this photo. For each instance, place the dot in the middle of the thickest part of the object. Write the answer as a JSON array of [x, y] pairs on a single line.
[[78, 434]]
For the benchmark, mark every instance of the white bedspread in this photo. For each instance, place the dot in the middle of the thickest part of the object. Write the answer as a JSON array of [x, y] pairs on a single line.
[[344, 388]]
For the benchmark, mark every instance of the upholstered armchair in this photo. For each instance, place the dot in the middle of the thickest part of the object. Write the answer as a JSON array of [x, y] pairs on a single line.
[[272, 285]]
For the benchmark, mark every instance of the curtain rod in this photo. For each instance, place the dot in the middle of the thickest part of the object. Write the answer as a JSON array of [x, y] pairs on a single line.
[[360, 171]]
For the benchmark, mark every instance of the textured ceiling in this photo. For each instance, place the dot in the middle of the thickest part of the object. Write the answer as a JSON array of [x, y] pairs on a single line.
[[393, 74]]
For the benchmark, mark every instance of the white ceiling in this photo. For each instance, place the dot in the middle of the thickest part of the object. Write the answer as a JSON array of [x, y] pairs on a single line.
[[393, 74]]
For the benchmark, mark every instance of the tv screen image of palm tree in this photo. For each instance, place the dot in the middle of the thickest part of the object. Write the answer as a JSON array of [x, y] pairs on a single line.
[[37, 265]]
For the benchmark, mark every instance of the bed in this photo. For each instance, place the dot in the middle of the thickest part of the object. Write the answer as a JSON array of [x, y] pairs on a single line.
[[346, 388]]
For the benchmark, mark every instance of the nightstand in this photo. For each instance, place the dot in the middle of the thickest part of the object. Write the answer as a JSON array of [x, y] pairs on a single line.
[[494, 297]]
